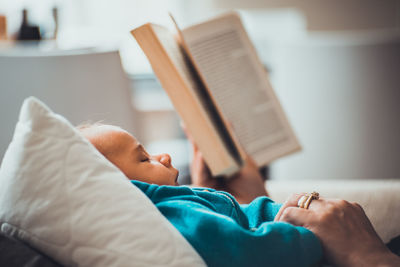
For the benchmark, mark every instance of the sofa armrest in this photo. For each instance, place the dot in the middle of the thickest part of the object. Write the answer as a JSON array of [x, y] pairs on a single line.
[[379, 198]]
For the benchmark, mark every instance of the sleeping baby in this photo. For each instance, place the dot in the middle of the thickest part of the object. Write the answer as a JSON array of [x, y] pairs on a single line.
[[221, 230]]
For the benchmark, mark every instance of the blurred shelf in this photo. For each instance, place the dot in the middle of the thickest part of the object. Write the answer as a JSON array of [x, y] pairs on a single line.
[[148, 95], [12, 48]]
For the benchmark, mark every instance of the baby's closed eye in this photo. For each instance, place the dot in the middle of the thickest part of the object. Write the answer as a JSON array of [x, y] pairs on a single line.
[[144, 158]]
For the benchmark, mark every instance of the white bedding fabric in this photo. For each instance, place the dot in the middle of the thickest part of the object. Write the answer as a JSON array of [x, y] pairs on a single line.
[[60, 195], [379, 198]]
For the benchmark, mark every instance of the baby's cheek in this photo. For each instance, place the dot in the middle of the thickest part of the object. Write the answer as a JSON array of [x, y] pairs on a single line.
[[153, 170]]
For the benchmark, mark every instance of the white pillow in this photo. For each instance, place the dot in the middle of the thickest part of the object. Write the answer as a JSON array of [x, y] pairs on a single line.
[[58, 194]]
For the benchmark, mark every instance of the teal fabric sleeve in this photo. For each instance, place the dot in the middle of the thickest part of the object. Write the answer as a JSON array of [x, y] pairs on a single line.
[[225, 233], [260, 210]]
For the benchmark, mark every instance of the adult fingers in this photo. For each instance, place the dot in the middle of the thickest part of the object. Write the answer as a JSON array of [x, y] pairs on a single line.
[[296, 216], [290, 202], [189, 137], [293, 200], [201, 174], [198, 163], [249, 161]]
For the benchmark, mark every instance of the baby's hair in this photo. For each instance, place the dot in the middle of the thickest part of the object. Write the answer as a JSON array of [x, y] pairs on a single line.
[[88, 125], [92, 131], [88, 130]]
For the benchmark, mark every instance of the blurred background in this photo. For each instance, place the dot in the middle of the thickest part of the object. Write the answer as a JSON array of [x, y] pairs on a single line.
[[335, 66]]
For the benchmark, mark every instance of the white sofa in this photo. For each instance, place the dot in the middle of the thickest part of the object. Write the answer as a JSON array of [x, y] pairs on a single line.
[[380, 198]]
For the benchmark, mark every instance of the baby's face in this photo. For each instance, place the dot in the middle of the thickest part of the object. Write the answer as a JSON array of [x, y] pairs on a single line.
[[124, 151]]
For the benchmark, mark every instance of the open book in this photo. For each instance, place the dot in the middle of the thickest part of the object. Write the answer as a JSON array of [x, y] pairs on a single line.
[[221, 91]]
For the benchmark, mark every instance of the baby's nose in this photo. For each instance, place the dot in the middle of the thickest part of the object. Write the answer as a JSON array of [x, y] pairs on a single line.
[[165, 160]]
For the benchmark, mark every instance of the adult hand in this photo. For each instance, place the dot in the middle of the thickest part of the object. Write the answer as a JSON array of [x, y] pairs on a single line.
[[245, 186], [346, 234]]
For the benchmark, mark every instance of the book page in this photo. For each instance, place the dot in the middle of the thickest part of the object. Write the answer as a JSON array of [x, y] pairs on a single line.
[[173, 50], [183, 64], [233, 74]]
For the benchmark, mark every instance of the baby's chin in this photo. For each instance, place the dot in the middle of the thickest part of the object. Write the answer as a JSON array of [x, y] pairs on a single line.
[[176, 178]]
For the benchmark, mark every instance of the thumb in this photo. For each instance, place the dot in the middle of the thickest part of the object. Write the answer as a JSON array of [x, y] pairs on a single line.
[[249, 161]]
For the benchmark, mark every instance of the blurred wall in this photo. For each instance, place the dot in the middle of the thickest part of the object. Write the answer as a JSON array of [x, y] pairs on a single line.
[[332, 15], [343, 100]]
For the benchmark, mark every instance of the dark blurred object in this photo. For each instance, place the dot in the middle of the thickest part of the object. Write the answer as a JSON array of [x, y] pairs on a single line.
[[28, 32], [394, 245], [3, 27], [265, 173], [17, 254]]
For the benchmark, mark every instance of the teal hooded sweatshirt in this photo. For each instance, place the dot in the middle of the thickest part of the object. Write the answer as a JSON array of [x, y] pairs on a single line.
[[226, 233]]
